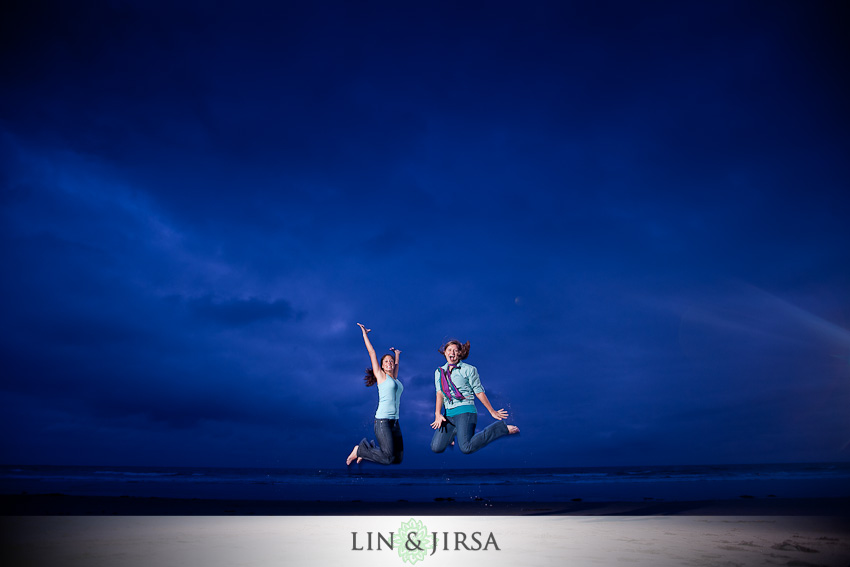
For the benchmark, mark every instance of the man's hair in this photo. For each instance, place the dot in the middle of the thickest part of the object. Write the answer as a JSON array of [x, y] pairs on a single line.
[[462, 347]]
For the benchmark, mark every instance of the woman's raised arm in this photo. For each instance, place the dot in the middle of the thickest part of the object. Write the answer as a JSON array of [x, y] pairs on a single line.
[[395, 368], [376, 367]]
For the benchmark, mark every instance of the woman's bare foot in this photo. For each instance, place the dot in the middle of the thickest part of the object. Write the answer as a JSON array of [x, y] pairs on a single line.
[[512, 429], [352, 456], [359, 460]]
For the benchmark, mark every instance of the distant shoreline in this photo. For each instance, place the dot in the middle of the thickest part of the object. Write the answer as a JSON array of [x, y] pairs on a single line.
[[70, 505]]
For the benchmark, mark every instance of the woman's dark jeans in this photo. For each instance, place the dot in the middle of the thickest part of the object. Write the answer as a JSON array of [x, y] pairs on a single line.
[[463, 424], [390, 448]]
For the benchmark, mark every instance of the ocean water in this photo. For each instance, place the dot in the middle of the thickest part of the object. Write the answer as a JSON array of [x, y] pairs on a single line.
[[387, 484]]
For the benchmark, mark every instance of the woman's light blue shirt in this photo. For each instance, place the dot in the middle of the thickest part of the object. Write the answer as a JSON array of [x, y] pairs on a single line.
[[389, 397]]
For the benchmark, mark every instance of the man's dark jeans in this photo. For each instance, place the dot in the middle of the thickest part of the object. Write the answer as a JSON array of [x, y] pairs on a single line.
[[463, 424]]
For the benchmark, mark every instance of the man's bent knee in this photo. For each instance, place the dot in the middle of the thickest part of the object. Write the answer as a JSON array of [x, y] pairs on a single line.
[[466, 449]]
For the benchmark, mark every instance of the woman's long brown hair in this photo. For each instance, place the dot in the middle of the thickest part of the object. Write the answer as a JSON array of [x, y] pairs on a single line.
[[370, 379]]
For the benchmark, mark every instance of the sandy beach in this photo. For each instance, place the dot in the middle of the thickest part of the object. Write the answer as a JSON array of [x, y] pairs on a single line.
[[227, 541], [105, 531]]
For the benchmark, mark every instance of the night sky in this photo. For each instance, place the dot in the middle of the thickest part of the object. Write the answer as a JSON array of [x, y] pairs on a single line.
[[637, 213]]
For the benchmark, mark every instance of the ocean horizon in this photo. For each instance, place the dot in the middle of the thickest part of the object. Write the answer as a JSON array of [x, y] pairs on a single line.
[[388, 484]]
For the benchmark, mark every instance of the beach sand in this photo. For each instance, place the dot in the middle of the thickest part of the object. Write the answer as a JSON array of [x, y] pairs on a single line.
[[72, 531], [228, 541]]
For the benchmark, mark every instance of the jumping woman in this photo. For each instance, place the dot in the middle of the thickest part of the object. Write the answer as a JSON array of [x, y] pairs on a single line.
[[390, 447]]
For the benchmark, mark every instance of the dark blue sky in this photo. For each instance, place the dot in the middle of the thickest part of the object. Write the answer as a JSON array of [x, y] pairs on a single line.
[[637, 212]]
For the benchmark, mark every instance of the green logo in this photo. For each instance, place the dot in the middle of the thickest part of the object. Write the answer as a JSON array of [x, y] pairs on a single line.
[[412, 541]]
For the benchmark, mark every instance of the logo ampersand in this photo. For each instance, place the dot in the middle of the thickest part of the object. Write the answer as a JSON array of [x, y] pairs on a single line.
[[410, 540]]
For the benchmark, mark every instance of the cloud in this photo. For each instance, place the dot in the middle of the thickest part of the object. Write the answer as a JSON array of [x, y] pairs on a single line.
[[237, 312]]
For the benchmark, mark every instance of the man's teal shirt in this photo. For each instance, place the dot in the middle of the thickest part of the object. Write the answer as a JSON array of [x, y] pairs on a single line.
[[465, 378]]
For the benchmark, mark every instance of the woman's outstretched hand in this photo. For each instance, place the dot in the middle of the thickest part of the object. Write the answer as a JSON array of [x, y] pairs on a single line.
[[363, 328], [499, 414], [438, 422], [395, 350]]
